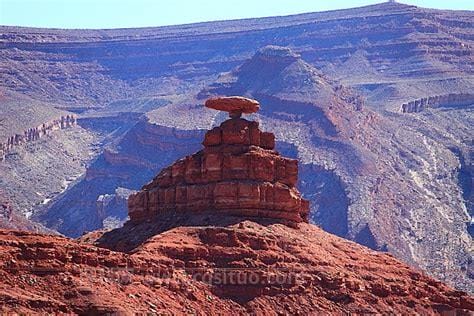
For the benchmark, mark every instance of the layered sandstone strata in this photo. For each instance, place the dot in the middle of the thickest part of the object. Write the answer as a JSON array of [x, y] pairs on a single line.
[[452, 99], [237, 173], [35, 133]]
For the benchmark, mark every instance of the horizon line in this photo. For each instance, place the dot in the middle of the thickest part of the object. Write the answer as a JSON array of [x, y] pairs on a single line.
[[224, 20]]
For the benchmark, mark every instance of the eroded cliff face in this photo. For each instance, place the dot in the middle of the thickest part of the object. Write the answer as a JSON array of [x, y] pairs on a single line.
[[35, 172], [232, 210], [365, 47], [374, 179], [389, 173], [449, 100], [35, 133]]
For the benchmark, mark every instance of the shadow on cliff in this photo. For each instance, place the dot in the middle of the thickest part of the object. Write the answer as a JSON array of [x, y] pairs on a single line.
[[329, 205], [133, 161]]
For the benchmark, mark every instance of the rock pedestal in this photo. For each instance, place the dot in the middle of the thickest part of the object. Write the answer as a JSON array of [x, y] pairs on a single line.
[[238, 173]]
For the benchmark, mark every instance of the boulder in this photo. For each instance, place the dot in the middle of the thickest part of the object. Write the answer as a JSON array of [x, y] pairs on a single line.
[[235, 105]]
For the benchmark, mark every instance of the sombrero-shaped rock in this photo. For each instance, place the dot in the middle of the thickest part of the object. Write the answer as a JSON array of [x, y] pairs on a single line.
[[234, 105]]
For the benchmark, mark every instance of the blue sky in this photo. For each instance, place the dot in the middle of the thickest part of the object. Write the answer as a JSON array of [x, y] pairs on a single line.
[[140, 13]]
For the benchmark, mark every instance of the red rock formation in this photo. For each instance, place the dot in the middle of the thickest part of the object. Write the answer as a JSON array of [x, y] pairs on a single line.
[[237, 173], [239, 269]]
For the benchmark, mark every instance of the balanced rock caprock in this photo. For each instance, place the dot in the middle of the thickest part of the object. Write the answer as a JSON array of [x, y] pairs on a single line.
[[235, 105], [238, 173]]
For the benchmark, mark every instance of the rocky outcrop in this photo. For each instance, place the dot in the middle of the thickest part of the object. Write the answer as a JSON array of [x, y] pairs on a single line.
[[235, 105], [226, 177], [35, 133], [448, 100], [206, 237], [244, 268], [368, 185], [237, 173]]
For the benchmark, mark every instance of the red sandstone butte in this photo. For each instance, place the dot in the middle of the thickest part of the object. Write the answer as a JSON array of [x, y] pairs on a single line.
[[237, 173]]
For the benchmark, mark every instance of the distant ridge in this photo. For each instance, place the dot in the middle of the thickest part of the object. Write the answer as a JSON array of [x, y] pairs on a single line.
[[224, 26]]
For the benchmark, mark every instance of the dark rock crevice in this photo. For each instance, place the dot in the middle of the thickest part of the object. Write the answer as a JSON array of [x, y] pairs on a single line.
[[132, 161], [329, 207]]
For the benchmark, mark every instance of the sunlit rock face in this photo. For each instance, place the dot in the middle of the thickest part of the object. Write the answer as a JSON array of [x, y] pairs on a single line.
[[237, 173]]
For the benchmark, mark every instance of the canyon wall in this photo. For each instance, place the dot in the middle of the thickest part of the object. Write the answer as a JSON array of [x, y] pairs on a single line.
[[35, 133], [448, 100], [128, 163], [35, 172], [397, 40]]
